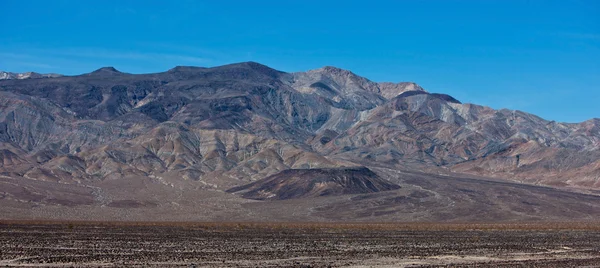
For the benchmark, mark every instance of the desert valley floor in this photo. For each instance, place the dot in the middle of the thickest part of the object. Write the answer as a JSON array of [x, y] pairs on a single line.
[[110, 244]]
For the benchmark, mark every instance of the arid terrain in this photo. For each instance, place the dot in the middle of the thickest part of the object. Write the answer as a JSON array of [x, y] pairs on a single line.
[[245, 142], [300, 133], [89, 244]]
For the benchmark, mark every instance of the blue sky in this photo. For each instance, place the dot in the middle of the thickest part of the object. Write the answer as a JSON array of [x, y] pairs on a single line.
[[541, 57]]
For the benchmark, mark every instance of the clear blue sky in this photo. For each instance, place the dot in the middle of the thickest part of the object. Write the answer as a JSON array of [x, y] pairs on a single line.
[[541, 57]]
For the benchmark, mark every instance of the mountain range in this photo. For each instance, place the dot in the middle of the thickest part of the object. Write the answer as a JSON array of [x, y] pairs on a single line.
[[27, 75], [248, 142]]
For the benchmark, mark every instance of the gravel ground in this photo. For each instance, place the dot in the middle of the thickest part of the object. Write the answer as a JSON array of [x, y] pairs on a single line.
[[297, 245]]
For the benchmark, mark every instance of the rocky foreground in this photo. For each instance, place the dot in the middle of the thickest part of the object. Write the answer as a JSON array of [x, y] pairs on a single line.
[[298, 245]]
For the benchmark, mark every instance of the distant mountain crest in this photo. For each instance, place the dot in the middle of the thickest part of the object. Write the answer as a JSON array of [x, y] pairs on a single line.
[[106, 71], [27, 75], [390, 90], [178, 69], [341, 76], [443, 97]]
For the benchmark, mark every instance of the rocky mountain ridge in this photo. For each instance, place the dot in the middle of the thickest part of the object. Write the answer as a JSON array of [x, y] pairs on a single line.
[[226, 127], [27, 75]]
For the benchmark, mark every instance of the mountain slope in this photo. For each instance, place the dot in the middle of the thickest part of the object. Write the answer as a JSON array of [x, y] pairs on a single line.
[[212, 129]]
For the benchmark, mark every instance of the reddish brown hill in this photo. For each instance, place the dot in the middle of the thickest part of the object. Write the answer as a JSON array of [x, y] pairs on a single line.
[[306, 183]]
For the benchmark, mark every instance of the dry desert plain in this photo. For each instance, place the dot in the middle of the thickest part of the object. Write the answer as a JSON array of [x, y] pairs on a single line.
[[118, 244]]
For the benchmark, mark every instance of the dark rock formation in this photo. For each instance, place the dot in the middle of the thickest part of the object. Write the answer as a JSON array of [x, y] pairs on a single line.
[[307, 183]]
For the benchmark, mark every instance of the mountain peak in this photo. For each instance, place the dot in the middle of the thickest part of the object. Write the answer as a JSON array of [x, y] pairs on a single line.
[[444, 97], [332, 70], [252, 65], [340, 74], [178, 69], [6, 75], [390, 90], [387, 89], [255, 66], [106, 70]]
